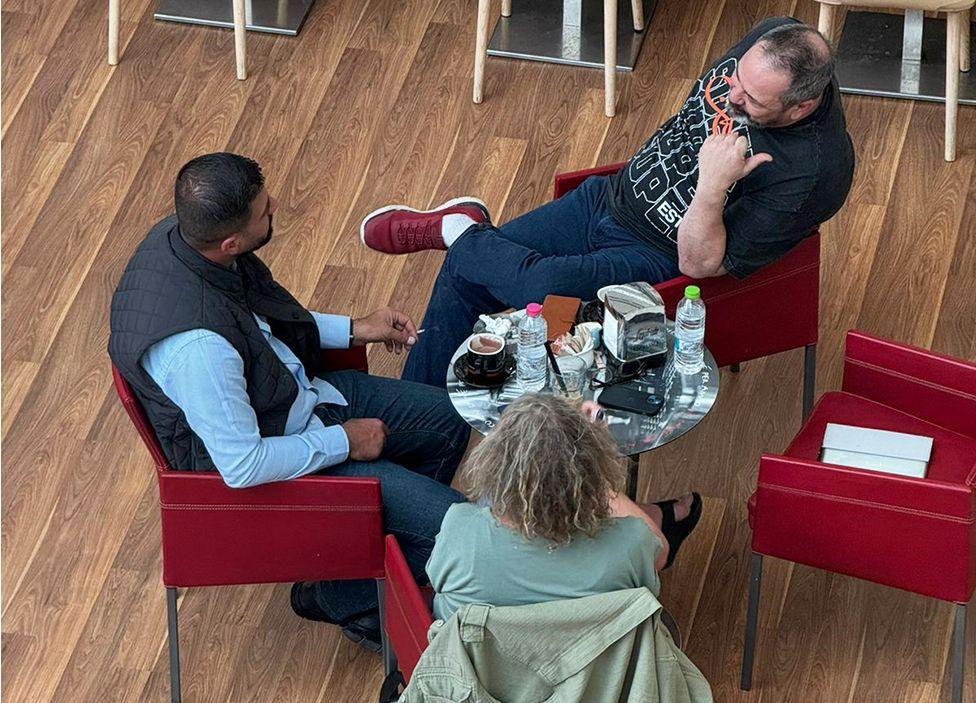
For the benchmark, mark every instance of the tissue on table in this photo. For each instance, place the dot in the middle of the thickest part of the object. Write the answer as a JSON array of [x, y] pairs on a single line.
[[496, 325]]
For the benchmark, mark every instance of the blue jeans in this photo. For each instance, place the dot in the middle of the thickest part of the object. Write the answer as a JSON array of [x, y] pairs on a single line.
[[570, 246], [426, 441]]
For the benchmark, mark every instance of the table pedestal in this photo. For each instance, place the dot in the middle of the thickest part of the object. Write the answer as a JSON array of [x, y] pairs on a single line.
[[898, 57], [273, 16], [567, 32], [633, 466]]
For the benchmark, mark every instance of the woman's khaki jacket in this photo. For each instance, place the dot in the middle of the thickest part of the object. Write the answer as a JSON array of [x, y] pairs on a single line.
[[607, 648]]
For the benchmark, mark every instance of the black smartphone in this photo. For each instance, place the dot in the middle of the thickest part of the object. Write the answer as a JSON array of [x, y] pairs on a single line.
[[633, 397]]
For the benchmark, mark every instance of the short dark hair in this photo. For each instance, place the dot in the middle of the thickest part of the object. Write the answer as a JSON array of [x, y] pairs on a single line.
[[801, 51], [213, 196]]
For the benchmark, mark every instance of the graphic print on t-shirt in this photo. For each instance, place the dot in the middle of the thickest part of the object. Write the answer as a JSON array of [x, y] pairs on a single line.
[[664, 173]]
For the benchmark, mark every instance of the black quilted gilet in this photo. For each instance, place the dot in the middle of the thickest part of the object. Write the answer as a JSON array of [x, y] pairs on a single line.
[[168, 288]]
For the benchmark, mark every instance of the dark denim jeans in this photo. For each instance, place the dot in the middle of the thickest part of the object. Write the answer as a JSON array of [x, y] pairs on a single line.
[[426, 441], [570, 246]]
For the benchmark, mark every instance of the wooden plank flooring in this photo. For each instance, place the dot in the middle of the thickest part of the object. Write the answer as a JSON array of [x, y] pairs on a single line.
[[371, 105]]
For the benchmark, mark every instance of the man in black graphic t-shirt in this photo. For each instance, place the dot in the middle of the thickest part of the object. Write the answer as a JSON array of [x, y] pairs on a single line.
[[796, 171], [756, 158]]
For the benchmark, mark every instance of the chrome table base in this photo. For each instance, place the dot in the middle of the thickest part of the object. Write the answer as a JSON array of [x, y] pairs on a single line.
[[567, 32], [274, 16], [898, 57]]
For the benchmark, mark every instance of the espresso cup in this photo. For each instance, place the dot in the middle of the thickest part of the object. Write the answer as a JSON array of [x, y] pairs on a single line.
[[486, 354]]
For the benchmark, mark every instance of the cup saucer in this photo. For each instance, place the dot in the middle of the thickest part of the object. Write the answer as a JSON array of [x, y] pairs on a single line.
[[483, 381]]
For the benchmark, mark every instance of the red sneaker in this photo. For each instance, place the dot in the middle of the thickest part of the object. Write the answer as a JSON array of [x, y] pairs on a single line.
[[398, 229]]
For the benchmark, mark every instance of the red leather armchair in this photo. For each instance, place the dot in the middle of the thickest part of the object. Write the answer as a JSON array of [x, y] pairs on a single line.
[[307, 529], [774, 310], [915, 534]]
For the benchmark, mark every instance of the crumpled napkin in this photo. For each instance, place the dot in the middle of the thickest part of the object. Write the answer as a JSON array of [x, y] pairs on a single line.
[[496, 325]]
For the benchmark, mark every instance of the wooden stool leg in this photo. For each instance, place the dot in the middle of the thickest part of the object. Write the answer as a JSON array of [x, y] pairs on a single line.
[[239, 51], [828, 17], [637, 8], [506, 8], [480, 50], [113, 32], [609, 57], [953, 37]]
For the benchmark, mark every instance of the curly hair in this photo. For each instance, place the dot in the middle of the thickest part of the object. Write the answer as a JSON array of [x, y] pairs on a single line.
[[546, 470]]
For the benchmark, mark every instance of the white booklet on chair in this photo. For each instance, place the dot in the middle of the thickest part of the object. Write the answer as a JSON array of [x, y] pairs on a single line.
[[876, 450]]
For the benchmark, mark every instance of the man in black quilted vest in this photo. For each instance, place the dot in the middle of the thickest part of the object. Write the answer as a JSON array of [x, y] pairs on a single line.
[[225, 363]]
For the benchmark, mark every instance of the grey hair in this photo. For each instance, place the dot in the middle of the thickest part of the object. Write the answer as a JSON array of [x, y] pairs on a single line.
[[803, 53], [546, 470]]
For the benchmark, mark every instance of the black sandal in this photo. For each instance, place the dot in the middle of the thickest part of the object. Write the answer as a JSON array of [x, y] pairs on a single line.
[[676, 531]]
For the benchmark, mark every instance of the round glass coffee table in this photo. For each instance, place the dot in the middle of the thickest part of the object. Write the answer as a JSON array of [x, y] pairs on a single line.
[[687, 399]]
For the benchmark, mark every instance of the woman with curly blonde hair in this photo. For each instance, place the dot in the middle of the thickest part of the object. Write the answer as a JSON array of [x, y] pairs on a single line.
[[547, 519]]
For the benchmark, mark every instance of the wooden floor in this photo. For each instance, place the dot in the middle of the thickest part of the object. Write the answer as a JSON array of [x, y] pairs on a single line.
[[372, 105]]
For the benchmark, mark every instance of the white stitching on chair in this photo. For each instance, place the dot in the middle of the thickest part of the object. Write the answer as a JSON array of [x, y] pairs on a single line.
[[912, 379], [870, 503], [273, 508], [766, 282]]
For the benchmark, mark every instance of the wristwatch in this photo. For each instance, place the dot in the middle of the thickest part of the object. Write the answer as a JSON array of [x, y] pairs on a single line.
[[352, 334]]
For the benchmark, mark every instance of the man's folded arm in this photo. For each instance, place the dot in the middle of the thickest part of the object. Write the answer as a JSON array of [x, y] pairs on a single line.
[[701, 235], [203, 375]]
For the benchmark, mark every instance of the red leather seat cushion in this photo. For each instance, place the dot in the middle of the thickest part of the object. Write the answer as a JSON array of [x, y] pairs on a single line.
[[953, 455]]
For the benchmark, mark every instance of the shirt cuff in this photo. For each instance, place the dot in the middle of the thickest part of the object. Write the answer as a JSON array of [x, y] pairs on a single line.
[[333, 330], [333, 441]]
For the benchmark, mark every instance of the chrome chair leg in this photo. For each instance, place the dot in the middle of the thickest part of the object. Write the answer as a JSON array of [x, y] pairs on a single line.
[[174, 645], [752, 619], [393, 679], [958, 654], [389, 658], [809, 378]]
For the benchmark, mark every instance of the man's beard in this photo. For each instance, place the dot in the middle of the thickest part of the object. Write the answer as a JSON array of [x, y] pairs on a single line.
[[739, 116], [267, 237]]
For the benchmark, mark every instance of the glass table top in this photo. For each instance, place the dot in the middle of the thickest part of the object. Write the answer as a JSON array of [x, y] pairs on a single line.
[[687, 399]]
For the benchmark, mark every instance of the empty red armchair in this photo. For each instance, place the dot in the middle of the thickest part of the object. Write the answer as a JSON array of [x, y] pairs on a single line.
[[917, 534], [775, 309], [307, 529]]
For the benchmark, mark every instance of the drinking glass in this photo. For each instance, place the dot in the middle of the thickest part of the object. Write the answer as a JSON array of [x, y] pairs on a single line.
[[569, 379]]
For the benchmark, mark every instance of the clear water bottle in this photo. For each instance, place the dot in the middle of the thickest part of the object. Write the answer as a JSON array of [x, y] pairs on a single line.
[[530, 368], [689, 333]]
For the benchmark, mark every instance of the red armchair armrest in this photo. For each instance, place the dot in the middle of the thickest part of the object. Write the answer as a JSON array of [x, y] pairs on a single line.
[[407, 612], [306, 529], [917, 533], [936, 388], [565, 182], [775, 309], [353, 358]]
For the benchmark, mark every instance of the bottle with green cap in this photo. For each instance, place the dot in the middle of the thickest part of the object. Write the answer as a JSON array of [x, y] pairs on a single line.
[[689, 333]]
